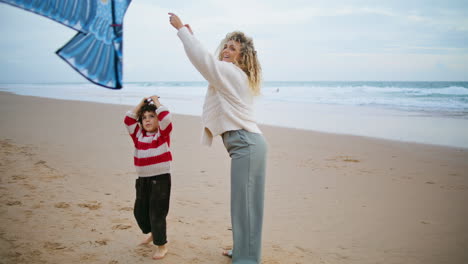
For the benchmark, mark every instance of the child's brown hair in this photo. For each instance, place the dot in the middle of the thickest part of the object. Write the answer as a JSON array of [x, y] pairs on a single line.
[[145, 108]]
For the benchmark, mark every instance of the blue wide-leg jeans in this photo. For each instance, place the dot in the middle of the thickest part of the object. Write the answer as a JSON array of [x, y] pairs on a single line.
[[248, 165]]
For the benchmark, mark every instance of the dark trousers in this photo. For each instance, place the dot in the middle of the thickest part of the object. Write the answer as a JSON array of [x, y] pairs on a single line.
[[152, 205]]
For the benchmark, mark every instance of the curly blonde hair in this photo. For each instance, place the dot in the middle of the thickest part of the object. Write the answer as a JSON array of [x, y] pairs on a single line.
[[248, 61]]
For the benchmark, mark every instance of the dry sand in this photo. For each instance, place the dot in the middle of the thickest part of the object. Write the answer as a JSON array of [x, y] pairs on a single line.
[[67, 189]]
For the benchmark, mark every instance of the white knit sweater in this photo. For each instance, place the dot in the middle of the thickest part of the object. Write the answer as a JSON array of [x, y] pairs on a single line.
[[228, 101]]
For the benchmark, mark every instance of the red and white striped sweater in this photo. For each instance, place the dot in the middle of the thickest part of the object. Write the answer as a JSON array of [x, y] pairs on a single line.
[[152, 154]]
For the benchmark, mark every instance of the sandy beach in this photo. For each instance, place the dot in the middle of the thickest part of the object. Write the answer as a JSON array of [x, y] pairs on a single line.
[[67, 190]]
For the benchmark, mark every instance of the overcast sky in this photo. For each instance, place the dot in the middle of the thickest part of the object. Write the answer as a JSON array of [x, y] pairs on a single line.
[[297, 40]]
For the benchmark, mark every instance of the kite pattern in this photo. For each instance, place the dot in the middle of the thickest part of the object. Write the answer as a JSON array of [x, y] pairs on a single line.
[[96, 50]]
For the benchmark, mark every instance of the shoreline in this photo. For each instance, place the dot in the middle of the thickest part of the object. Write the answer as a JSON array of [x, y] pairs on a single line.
[[399, 125], [377, 123], [67, 179]]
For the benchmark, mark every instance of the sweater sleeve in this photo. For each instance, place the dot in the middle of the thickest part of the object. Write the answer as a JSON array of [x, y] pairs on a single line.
[[132, 126], [165, 121], [212, 69]]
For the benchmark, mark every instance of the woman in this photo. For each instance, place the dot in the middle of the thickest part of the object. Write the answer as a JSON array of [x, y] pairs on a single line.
[[234, 78]]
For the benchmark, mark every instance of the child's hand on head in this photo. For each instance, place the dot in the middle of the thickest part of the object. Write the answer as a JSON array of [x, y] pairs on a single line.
[[154, 100]]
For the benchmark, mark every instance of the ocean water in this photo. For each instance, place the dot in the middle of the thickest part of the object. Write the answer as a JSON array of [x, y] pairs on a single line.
[[424, 112]]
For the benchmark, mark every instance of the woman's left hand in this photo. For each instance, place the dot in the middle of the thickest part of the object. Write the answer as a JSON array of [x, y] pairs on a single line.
[[175, 21]]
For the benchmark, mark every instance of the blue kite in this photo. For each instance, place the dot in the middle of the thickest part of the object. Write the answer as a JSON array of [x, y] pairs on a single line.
[[96, 50]]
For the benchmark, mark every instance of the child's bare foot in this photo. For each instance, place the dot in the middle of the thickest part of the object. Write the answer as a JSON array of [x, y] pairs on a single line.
[[160, 252], [147, 240]]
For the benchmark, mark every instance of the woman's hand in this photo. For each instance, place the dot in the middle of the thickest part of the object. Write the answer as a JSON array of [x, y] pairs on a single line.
[[177, 23]]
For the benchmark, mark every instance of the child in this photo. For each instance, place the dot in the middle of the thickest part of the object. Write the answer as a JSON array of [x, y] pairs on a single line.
[[149, 126]]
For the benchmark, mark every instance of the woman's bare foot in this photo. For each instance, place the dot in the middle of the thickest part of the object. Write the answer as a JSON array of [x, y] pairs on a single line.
[[160, 252], [227, 253], [147, 240]]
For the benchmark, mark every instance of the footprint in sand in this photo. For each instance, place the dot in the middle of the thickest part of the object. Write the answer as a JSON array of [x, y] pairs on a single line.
[[349, 159], [143, 251], [303, 250], [121, 227], [93, 205], [88, 257], [18, 177], [102, 242], [54, 246], [41, 162], [29, 186], [46, 172], [12, 203], [62, 205], [344, 158], [28, 213], [182, 221]]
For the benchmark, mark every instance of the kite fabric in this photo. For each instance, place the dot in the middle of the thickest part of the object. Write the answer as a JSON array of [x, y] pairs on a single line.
[[96, 50]]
